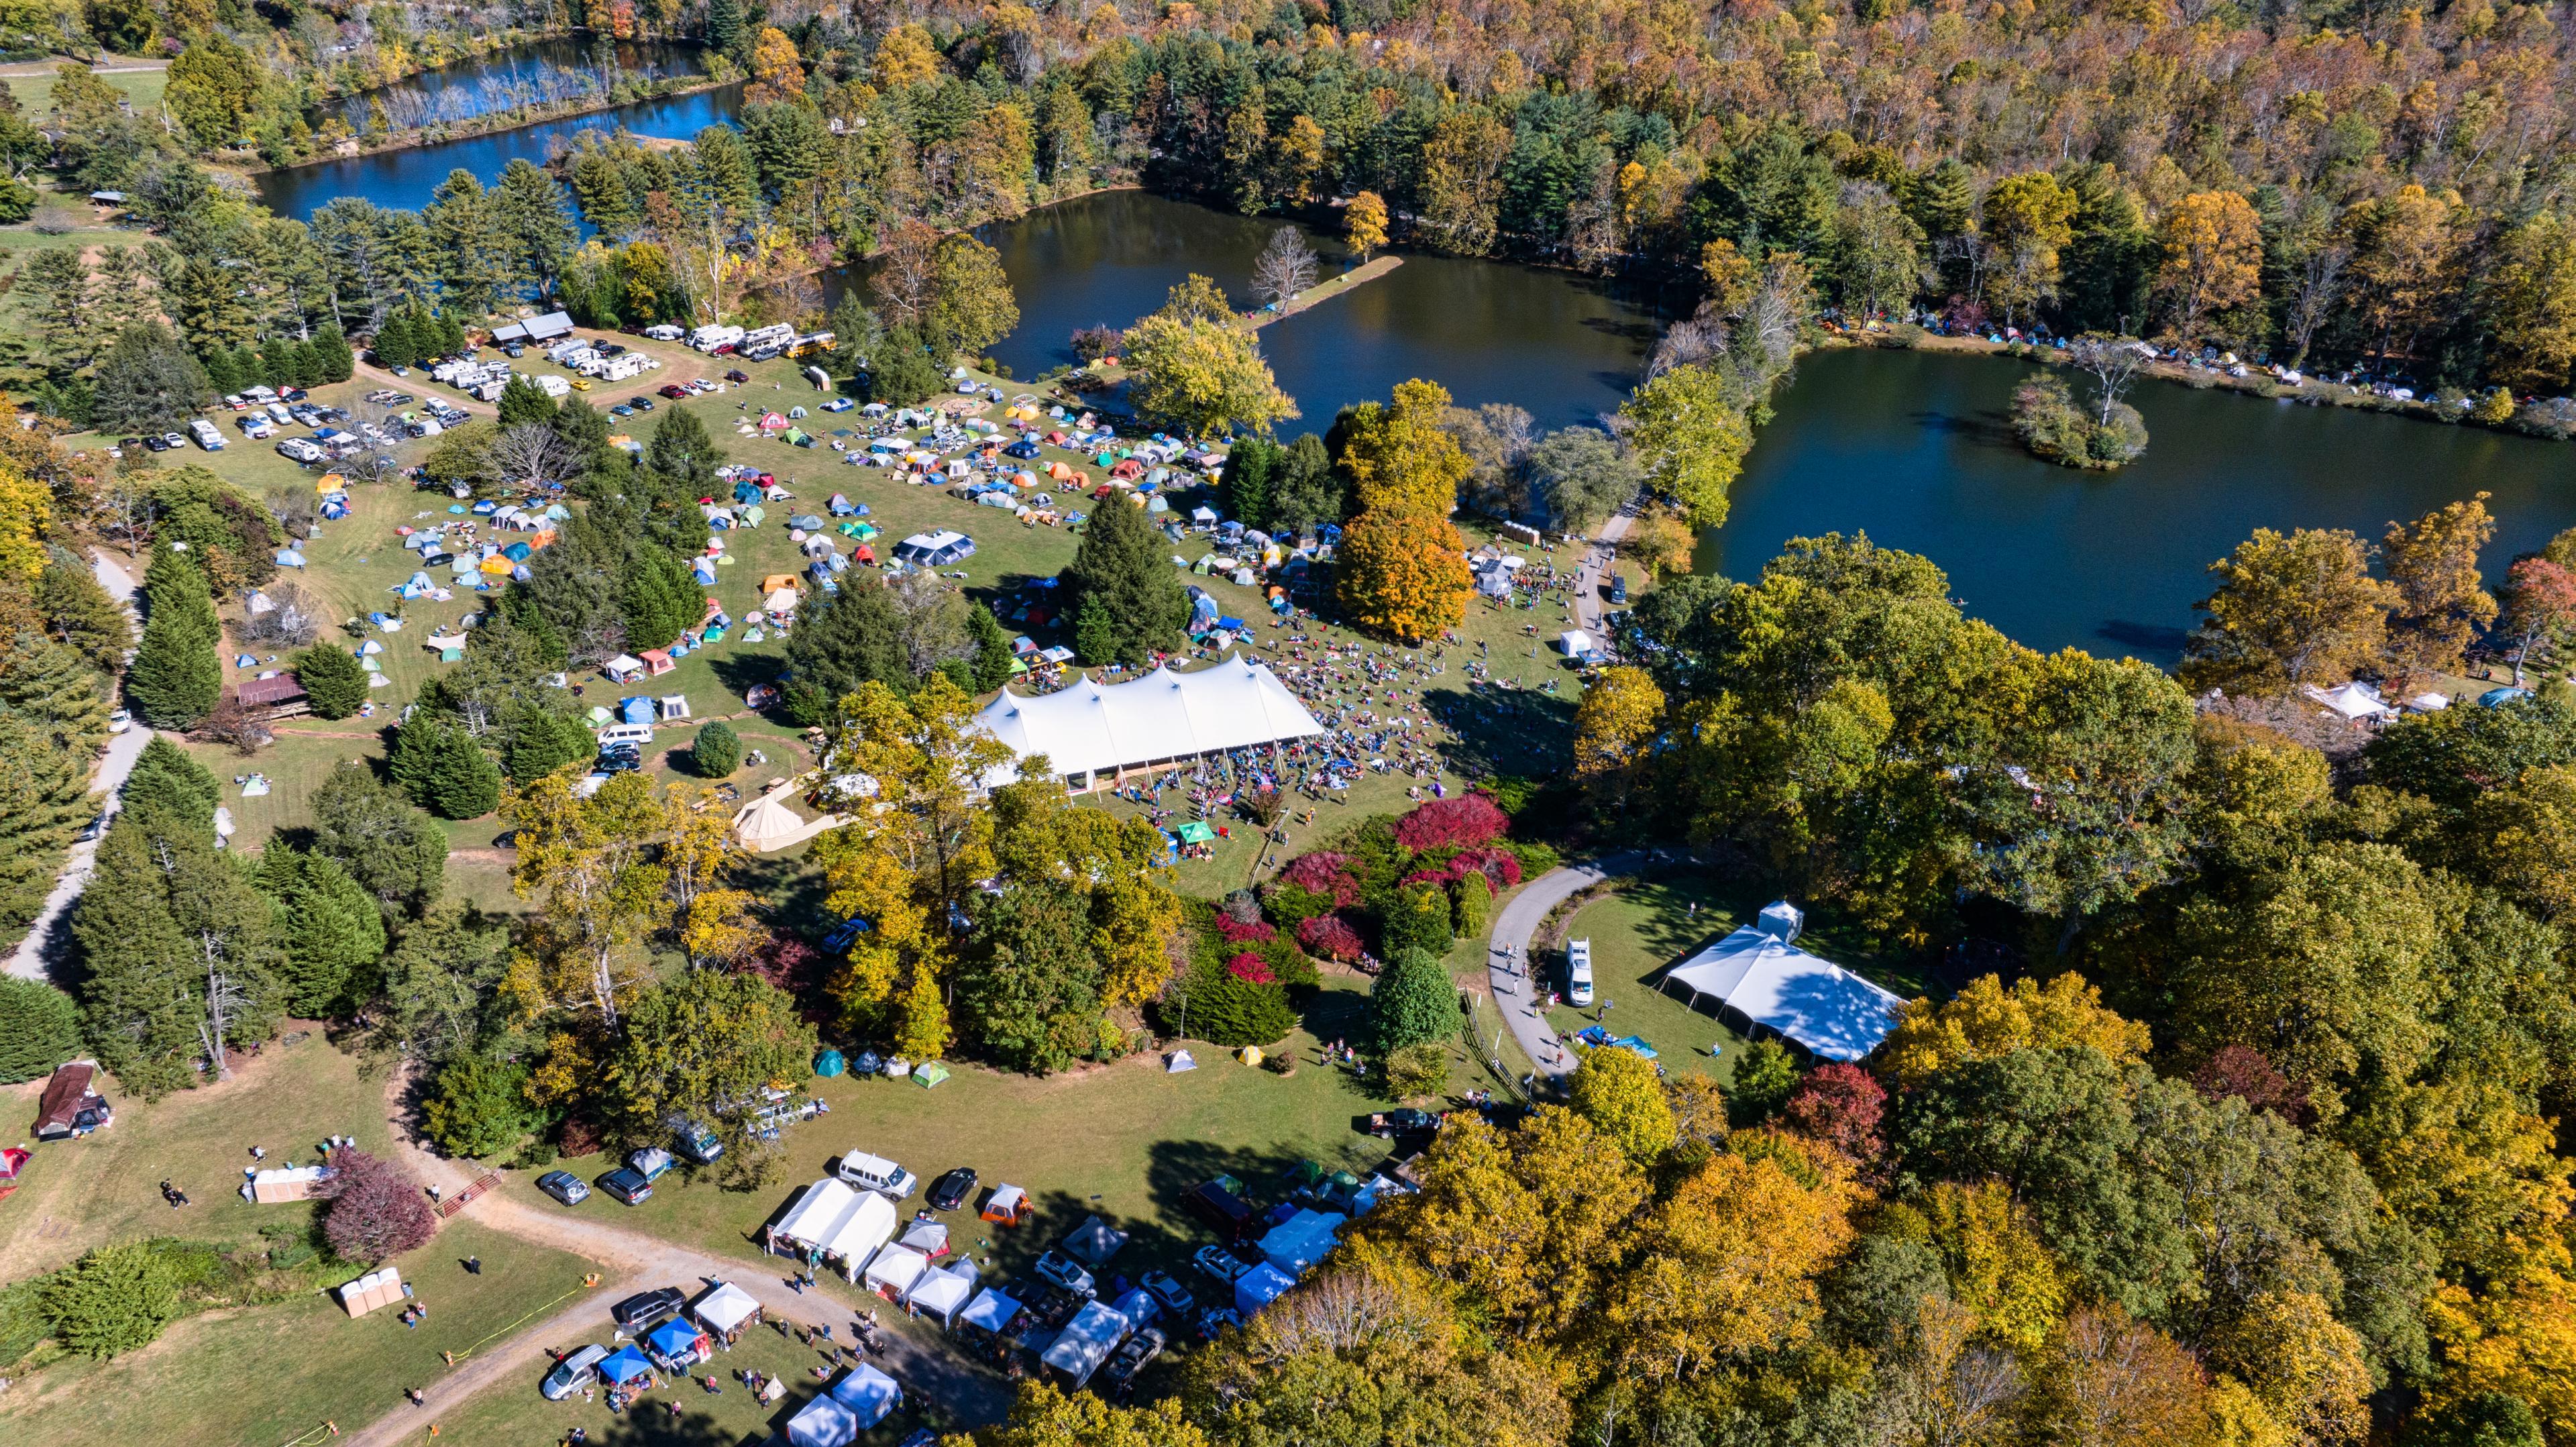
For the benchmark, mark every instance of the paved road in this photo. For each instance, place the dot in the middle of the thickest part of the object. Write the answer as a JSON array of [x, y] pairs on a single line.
[[1513, 926], [927, 1367], [1594, 575], [26, 959]]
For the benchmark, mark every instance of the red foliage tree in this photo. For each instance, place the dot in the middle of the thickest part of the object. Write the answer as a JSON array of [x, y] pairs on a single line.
[[1467, 819], [2243, 1071], [1244, 932], [1330, 936], [377, 1212], [1326, 873], [1251, 969], [1839, 1105]]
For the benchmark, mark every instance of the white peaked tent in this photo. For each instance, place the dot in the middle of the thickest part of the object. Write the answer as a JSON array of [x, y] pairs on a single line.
[[1095, 727], [724, 1307], [942, 1293], [766, 824], [894, 1270], [1761, 974], [839, 1222]]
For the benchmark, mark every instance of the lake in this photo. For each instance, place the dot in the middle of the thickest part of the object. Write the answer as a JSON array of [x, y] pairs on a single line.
[[1916, 448], [545, 70]]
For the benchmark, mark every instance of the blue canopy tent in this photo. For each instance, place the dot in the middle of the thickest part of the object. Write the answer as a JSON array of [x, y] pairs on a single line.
[[992, 1310], [822, 1422], [625, 1365], [677, 1344], [1259, 1287], [868, 1393]]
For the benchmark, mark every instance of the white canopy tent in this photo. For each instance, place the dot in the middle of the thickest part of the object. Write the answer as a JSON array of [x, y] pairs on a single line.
[[724, 1308], [1163, 717], [895, 1269], [1759, 973], [1086, 1342], [942, 1293], [868, 1393], [1296, 1244], [992, 1310], [839, 1222]]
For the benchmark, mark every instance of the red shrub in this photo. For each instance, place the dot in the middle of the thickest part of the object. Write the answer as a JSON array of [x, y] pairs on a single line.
[[377, 1212], [1242, 932], [1467, 819], [1429, 876], [1331, 936], [1502, 868], [1839, 1105], [1324, 873], [1251, 969]]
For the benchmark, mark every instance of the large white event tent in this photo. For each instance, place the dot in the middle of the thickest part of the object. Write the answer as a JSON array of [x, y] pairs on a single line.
[[1761, 974], [838, 1222], [1162, 719]]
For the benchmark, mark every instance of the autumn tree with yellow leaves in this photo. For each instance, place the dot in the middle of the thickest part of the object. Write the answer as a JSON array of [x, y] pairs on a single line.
[[2213, 257], [1401, 568]]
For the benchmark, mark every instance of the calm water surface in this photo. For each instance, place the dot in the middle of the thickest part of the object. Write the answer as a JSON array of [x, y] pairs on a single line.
[[1916, 449]]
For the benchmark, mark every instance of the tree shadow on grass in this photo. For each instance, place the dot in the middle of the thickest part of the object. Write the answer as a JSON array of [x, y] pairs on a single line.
[[741, 672], [1521, 732]]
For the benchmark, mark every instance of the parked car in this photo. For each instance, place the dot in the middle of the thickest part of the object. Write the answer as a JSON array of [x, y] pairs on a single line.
[[1168, 1293], [119, 721], [640, 404], [675, 391], [1215, 1319], [564, 1186], [627, 1185], [1220, 1263], [1618, 589], [951, 1190], [1578, 972], [1404, 1120], [620, 759], [1064, 1271], [697, 1142], [1130, 1359], [876, 1173], [645, 1308], [573, 1373]]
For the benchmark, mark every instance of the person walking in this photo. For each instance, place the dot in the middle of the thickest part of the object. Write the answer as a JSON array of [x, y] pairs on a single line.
[[473, 1265]]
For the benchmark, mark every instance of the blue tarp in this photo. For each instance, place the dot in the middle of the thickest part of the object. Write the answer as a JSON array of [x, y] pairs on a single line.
[[625, 1364], [1258, 1288], [1231, 625], [1631, 1042]]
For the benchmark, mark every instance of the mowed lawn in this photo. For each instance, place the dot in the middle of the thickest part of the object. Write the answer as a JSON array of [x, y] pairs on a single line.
[[272, 1374], [1125, 1141], [516, 1414], [106, 1187]]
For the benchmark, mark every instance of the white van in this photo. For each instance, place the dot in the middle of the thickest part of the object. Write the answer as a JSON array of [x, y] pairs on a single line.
[[636, 734], [1578, 972], [876, 1173]]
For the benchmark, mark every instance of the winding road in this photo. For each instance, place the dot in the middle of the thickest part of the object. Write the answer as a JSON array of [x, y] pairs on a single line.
[[1508, 958], [26, 959]]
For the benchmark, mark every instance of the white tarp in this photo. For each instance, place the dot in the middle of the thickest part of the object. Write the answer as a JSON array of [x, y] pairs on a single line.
[[1758, 973], [1086, 1342], [724, 1307], [1093, 726]]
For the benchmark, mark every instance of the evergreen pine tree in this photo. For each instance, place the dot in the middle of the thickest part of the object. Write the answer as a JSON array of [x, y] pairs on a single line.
[[220, 372], [333, 680], [78, 612], [541, 741], [682, 449], [1413, 1001], [50, 686], [332, 356], [167, 780], [303, 366], [523, 401], [176, 678], [44, 800], [392, 849], [716, 752], [173, 936], [395, 345], [1249, 471], [413, 759], [1121, 563], [993, 658], [174, 584], [900, 372], [244, 365], [330, 930], [39, 1029], [464, 783], [657, 598], [724, 24], [451, 333]]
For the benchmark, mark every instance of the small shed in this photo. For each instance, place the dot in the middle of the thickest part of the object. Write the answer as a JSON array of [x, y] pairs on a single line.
[[378, 1288]]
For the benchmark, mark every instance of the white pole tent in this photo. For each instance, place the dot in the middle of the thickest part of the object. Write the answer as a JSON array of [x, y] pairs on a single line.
[[1162, 720], [1761, 974]]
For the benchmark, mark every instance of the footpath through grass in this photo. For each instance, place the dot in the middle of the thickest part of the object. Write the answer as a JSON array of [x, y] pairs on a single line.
[[271, 1374]]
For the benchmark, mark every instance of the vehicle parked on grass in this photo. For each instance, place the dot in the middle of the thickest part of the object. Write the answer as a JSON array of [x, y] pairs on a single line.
[[1168, 1293], [876, 1173], [952, 1189], [564, 1186], [1219, 1202], [627, 1185], [1064, 1271], [573, 1373], [1131, 1358], [696, 1142], [1217, 1262]]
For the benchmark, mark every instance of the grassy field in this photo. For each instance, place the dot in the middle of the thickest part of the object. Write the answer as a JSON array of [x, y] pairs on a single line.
[[272, 1374], [141, 82], [106, 1187], [517, 1415]]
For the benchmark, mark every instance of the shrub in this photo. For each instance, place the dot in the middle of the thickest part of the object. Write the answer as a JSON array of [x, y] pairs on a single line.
[[332, 680], [376, 1211], [479, 1107], [1416, 1070], [1412, 1002], [1468, 897], [1251, 969], [1214, 1006], [1324, 873], [717, 752], [1418, 919], [1467, 819], [113, 1300], [1237, 931], [1763, 1080], [1330, 936]]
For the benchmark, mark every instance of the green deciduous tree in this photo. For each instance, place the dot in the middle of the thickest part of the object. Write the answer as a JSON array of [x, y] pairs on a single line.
[[478, 1107], [2287, 611], [716, 752]]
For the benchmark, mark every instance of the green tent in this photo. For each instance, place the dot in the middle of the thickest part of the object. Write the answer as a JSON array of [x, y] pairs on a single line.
[[929, 1073], [1195, 832]]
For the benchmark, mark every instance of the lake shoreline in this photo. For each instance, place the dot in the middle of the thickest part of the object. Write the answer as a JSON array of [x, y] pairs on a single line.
[[480, 127]]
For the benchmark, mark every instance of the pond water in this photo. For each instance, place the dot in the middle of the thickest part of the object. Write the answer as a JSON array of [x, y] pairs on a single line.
[[1917, 449], [545, 70], [404, 179]]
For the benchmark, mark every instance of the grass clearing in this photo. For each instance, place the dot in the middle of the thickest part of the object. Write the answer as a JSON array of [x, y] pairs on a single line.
[[270, 1374], [106, 1186]]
